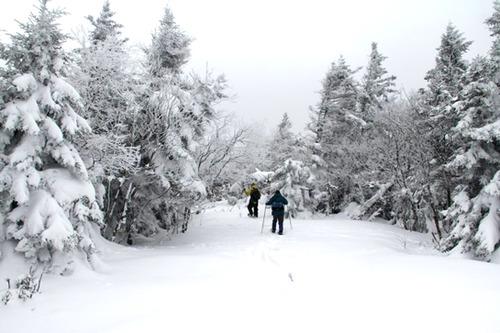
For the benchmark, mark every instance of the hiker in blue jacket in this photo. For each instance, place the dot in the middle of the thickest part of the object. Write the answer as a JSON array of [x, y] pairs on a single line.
[[277, 203]]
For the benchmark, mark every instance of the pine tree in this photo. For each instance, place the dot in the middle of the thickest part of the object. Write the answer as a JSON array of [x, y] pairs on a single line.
[[170, 47], [446, 78], [473, 217], [175, 110], [284, 144], [296, 181], [376, 85], [445, 82], [106, 84], [105, 27], [336, 111], [337, 125], [284, 127], [494, 25], [48, 203], [102, 76]]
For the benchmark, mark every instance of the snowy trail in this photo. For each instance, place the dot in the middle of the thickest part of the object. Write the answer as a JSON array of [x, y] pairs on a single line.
[[224, 276]]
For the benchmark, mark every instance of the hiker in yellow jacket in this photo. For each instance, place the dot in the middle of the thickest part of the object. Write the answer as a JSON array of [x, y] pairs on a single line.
[[253, 203]]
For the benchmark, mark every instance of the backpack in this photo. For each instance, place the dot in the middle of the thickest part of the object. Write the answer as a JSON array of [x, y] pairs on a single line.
[[277, 205], [255, 194]]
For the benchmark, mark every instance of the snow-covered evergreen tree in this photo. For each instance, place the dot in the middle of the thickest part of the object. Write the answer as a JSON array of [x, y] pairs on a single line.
[[445, 82], [175, 109], [170, 46], [336, 125], [377, 85], [296, 181], [106, 84], [474, 216], [48, 202], [446, 79], [336, 112], [493, 23], [284, 144], [102, 76], [105, 27]]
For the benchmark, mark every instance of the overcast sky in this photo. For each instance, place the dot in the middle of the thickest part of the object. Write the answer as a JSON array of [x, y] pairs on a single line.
[[276, 52]]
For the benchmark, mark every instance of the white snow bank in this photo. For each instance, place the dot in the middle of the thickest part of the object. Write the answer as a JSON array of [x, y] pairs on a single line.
[[325, 275]]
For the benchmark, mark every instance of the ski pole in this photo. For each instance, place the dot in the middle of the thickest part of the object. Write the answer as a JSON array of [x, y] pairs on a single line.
[[290, 219], [263, 219]]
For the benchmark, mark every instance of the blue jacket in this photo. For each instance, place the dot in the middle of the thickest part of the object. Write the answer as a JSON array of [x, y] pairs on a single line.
[[277, 203]]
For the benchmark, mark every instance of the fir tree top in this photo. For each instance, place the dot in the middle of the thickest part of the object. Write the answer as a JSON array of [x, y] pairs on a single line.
[[105, 26], [445, 79], [338, 73], [285, 125], [375, 69], [339, 85], [494, 25], [37, 48], [493, 22], [169, 48], [375, 80]]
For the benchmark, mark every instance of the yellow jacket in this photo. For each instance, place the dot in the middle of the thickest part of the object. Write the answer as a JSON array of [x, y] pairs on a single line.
[[249, 190]]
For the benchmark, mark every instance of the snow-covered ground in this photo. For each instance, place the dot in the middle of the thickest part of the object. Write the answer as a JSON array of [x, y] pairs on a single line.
[[325, 275]]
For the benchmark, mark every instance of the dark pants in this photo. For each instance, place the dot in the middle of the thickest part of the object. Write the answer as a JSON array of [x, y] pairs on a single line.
[[278, 219], [253, 208]]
